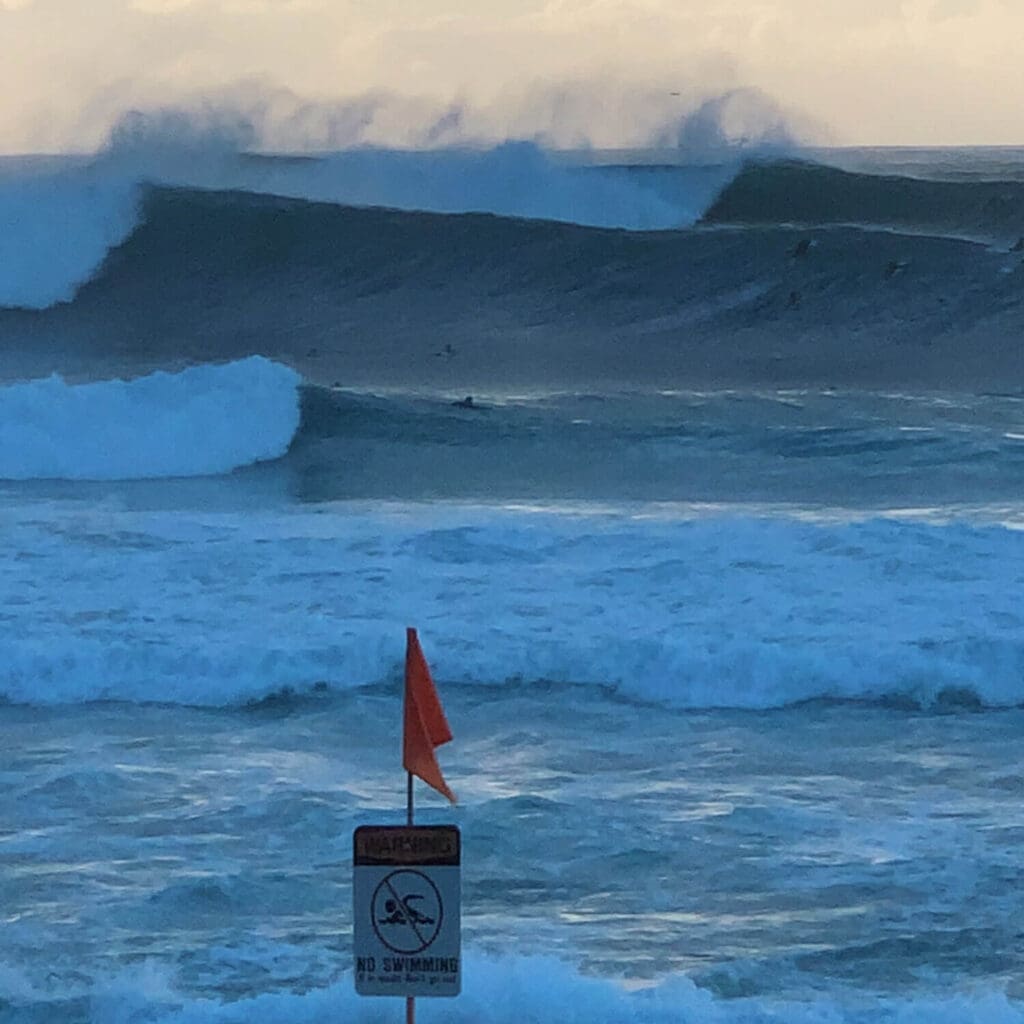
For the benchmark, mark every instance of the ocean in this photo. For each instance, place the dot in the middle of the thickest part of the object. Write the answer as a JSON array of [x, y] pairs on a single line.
[[701, 480]]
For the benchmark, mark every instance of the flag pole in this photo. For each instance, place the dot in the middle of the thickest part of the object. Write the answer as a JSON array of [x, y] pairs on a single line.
[[410, 1001]]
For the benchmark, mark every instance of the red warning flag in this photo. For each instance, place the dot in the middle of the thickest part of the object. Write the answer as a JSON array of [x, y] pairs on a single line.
[[425, 724]]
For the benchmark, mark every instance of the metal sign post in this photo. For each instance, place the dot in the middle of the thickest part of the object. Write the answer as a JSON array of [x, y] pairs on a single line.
[[406, 896]]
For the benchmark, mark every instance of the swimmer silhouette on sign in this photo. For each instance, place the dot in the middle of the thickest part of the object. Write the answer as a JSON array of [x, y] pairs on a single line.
[[402, 912]]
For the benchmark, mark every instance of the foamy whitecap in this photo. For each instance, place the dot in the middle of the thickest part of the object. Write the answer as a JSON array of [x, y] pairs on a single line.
[[203, 421], [534, 988], [714, 612], [56, 230]]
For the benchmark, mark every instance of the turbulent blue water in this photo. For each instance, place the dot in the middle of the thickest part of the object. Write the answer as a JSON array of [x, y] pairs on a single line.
[[718, 572]]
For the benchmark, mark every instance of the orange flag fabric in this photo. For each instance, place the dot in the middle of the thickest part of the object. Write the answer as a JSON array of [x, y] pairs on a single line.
[[425, 724]]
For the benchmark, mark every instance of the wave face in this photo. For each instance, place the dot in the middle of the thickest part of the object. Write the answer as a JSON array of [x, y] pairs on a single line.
[[811, 194], [203, 421]]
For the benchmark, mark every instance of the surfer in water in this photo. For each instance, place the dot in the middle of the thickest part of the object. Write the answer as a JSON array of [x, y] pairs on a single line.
[[466, 403]]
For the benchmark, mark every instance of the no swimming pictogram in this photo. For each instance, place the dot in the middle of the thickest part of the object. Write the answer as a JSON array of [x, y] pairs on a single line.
[[407, 911]]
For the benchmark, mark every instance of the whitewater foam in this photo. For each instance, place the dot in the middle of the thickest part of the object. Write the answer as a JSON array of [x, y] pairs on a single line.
[[56, 229], [502, 989], [714, 611], [205, 420]]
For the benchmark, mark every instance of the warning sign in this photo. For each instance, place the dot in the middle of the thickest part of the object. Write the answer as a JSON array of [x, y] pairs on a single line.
[[406, 904]]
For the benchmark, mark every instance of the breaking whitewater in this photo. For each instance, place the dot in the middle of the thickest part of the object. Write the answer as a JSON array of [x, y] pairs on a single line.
[[718, 572]]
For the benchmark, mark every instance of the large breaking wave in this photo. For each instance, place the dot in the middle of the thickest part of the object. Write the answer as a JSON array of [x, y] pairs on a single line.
[[58, 222], [56, 226], [370, 296]]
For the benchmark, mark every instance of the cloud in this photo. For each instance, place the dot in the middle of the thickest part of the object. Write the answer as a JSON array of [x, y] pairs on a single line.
[[161, 6], [944, 9], [231, 7]]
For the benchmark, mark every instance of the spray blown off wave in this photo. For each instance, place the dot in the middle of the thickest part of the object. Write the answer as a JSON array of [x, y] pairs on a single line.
[[203, 421]]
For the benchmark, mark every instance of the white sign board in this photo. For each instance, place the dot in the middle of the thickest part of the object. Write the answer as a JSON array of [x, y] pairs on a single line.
[[406, 898]]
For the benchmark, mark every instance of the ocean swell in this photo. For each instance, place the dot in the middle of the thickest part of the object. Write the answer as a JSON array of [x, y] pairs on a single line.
[[386, 298], [58, 222]]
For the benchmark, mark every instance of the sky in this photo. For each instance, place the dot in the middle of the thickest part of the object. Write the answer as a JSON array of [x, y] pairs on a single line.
[[307, 74]]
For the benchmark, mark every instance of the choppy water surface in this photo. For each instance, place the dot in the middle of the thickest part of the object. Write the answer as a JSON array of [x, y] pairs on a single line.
[[859, 851]]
